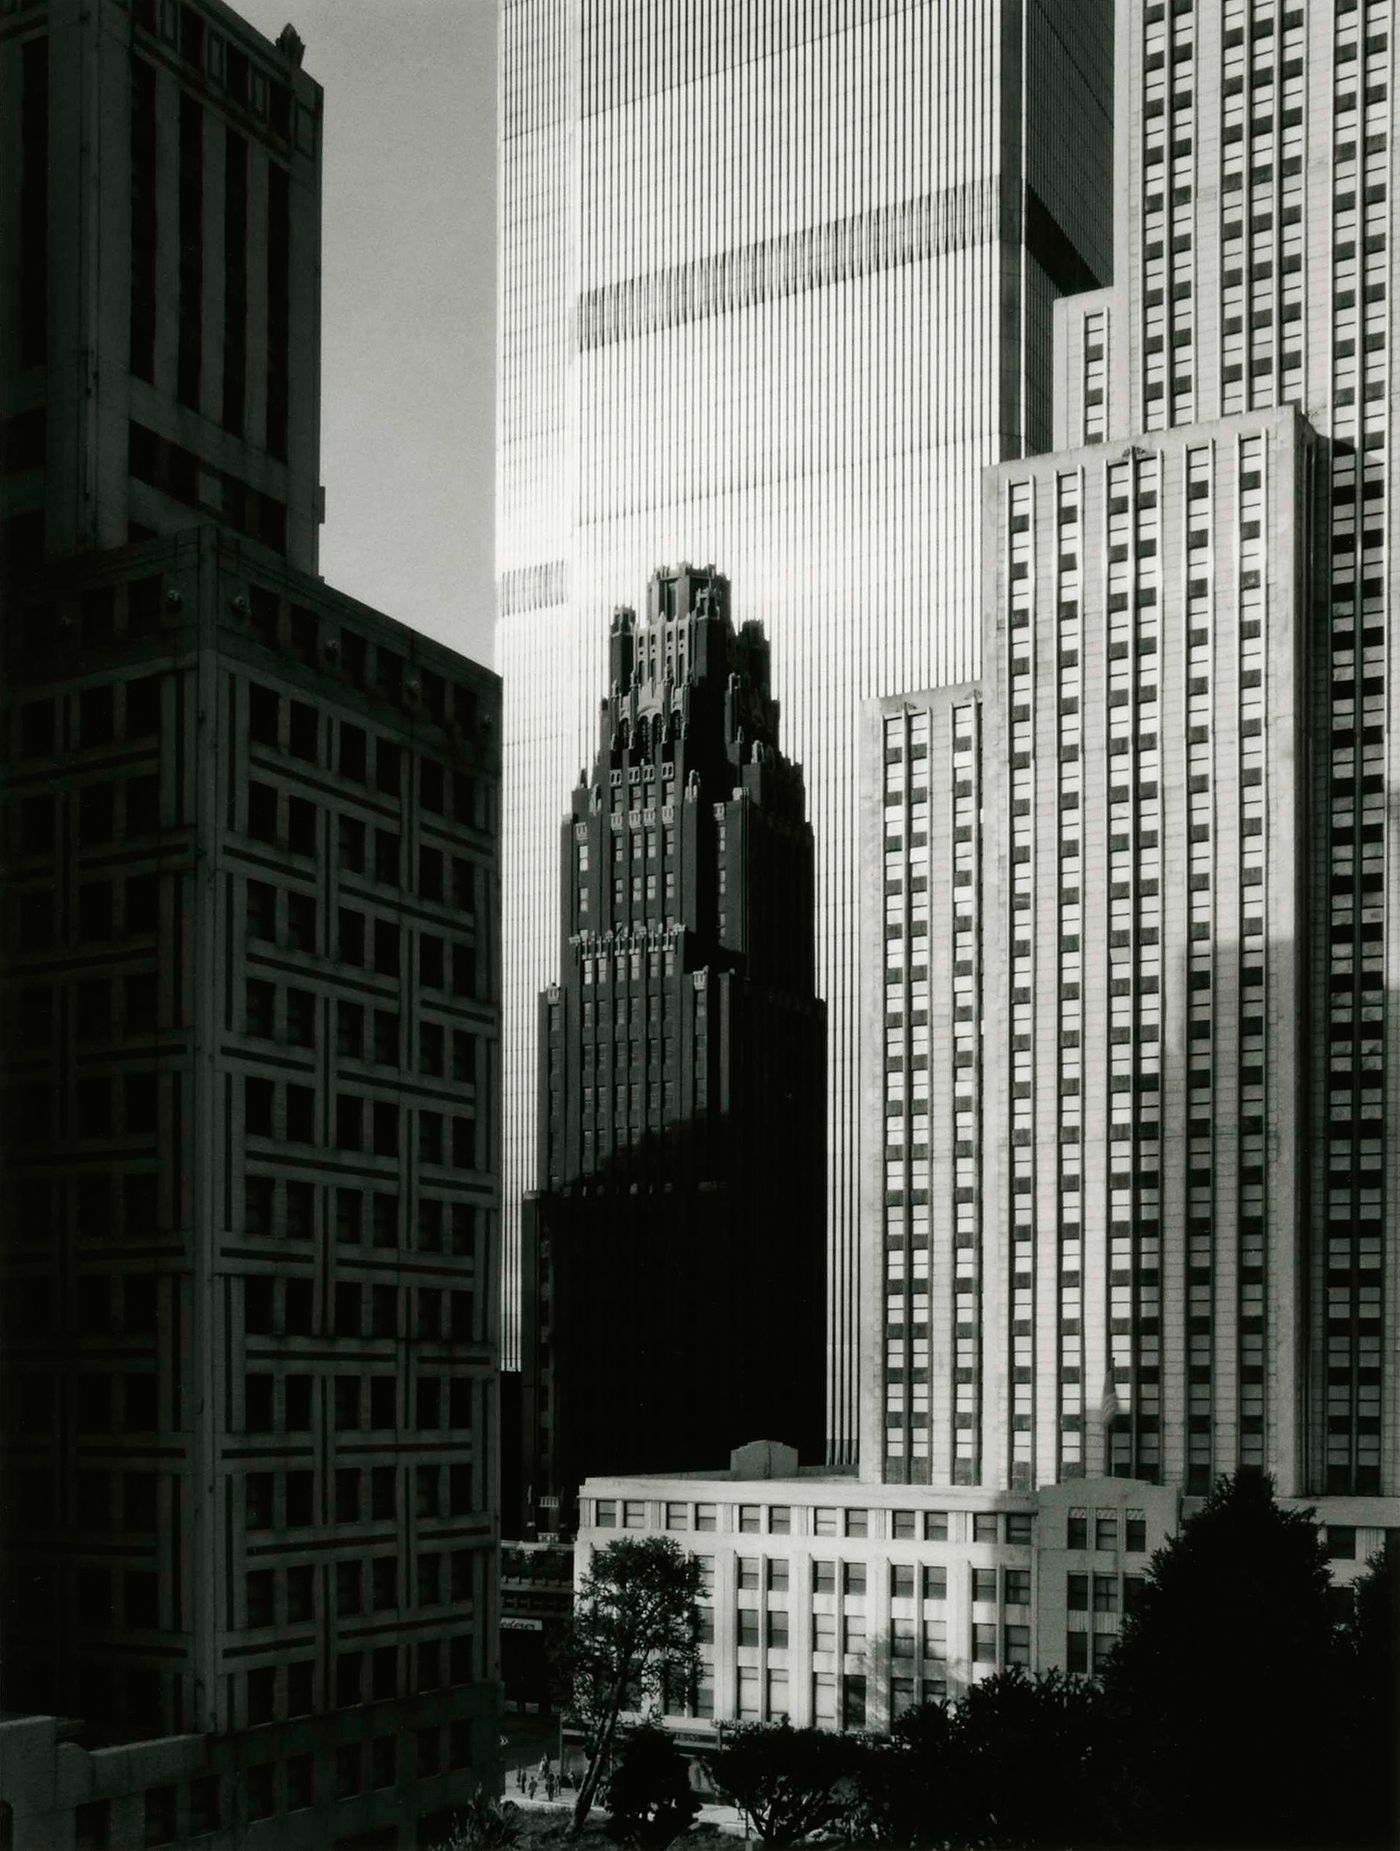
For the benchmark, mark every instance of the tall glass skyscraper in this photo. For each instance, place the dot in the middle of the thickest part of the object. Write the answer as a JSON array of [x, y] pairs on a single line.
[[776, 283]]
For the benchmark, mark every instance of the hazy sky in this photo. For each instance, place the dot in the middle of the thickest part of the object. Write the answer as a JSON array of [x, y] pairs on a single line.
[[408, 289]]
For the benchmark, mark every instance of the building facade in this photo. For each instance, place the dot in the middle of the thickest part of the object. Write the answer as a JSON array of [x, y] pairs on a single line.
[[249, 1010], [161, 233], [250, 1048], [1181, 1162], [682, 1104], [841, 1604], [775, 285]]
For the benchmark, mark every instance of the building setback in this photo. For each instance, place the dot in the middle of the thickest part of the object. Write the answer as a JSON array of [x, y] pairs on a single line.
[[680, 1215], [777, 283]]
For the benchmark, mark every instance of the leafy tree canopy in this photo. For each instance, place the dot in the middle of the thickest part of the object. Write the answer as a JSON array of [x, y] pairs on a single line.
[[791, 1782]]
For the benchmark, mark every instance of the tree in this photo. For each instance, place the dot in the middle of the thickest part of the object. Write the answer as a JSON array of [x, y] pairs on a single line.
[[790, 1782], [1219, 1686], [635, 1635], [650, 1798], [483, 1824], [1024, 1761]]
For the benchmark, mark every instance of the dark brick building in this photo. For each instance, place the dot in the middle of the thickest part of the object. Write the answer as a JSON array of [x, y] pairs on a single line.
[[674, 1278]]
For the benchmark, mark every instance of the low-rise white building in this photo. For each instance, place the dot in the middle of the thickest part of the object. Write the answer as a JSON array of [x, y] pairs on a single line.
[[842, 1603]]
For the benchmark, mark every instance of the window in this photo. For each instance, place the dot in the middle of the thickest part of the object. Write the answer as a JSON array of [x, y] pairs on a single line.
[[857, 1522], [853, 1577], [777, 1575], [1135, 1532], [1018, 1526], [1077, 1530], [748, 1626], [824, 1521], [677, 1516], [985, 1526], [1017, 1587], [1077, 1651], [748, 1571], [1105, 1529], [823, 1577], [605, 1514], [984, 1584], [935, 1584], [705, 1516], [984, 1644], [1341, 1542], [902, 1525], [1077, 1593], [1016, 1643], [749, 1518], [780, 1519], [935, 1526], [901, 1581], [852, 1702]]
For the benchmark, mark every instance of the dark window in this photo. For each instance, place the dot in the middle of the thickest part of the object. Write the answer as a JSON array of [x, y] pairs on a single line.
[[430, 866], [386, 857], [386, 1037], [257, 1107], [301, 1114], [299, 1485], [301, 922], [352, 936], [386, 947], [142, 904], [301, 825], [430, 1047], [305, 729], [143, 707], [386, 1129], [352, 844], [430, 960], [301, 1018], [96, 813], [430, 786], [262, 812], [352, 753], [388, 758], [263, 707], [96, 716], [350, 1030], [262, 911]]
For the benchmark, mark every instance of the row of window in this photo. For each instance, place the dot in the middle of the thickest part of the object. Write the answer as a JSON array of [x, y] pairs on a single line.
[[99, 716], [821, 1520], [359, 1123], [286, 1208], [354, 1494], [284, 1403], [361, 940]]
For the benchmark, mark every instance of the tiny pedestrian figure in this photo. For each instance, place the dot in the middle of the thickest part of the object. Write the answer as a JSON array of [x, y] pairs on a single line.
[[520, 1780], [533, 1784]]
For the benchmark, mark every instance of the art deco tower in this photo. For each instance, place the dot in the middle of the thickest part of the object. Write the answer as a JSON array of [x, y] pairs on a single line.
[[676, 1309], [776, 282]]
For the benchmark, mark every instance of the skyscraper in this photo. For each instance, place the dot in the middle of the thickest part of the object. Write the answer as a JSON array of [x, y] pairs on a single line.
[[776, 284], [160, 354], [677, 1236], [1127, 937], [249, 996], [1175, 1236]]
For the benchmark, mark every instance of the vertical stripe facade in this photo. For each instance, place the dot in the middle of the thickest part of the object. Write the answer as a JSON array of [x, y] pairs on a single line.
[[776, 286]]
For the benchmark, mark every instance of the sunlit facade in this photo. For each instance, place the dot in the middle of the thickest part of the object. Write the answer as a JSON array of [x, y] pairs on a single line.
[[1135, 1204], [776, 284]]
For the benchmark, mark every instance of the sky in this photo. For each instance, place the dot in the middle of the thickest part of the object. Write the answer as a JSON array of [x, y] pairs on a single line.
[[408, 288]]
